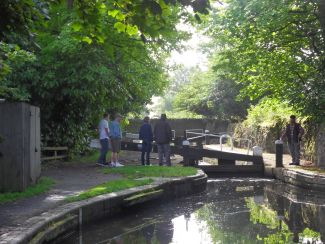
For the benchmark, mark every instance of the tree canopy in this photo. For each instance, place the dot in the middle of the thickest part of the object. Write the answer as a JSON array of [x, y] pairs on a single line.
[[76, 59], [79, 59], [274, 48]]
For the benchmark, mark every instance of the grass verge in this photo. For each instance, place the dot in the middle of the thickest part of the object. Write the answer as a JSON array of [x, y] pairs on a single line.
[[43, 185], [90, 157], [108, 187], [134, 172], [131, 179]]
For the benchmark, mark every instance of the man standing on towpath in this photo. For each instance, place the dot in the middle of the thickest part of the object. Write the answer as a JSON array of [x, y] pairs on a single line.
[[116, 136], [294, 133], [145, 134], [163, 137], [103, 130]]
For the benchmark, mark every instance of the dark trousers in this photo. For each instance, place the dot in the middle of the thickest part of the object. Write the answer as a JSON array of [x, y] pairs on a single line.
[[145, 152], [294, 148], [164, 152], [103, 151]]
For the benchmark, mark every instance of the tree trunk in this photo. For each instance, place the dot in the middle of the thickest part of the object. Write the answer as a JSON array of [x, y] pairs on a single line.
[[322, 15], [320, 146], [70, 4], [322, 24]]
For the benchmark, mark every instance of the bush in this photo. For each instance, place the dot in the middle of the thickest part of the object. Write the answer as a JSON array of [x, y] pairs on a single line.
[[265, 122]]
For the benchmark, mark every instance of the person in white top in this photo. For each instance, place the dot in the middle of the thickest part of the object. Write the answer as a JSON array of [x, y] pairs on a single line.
[[103, 130]]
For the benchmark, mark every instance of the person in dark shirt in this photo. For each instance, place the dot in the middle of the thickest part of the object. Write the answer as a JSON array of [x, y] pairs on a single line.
[[293, 133], [163, 137], [145, 134]]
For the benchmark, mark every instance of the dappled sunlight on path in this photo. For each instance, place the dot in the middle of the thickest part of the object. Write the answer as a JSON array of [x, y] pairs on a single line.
[[70, 180]]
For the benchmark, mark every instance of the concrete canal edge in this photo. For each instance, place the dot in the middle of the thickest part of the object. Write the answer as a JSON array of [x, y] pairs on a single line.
[[311, 181], [70, 216]]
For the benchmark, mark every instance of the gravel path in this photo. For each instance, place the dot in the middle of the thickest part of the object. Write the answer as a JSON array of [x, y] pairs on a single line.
[[70, 180]]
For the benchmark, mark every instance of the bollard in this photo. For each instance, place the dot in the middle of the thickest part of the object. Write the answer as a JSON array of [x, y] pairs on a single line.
[[279, 153], [186, 146], [185, 135], [207, 137]]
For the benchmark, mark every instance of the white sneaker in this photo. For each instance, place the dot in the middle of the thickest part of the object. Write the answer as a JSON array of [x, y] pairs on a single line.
[[112, 165], [117, 164]]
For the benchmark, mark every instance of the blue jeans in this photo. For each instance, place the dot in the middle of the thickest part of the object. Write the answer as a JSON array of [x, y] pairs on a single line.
[[145, 152], [103, 151]]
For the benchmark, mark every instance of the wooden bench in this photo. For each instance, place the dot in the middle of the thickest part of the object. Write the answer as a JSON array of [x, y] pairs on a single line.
[[55, 151]]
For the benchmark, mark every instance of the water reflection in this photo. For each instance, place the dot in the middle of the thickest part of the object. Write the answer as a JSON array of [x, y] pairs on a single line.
[[230, 211], [301, 213]]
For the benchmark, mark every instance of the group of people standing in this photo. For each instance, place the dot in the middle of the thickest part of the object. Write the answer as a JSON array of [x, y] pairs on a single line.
[[162, 134], [110, 134]]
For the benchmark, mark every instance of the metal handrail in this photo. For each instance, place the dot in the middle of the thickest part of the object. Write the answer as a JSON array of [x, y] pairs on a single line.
[[196, 137], [219, 135], [193, 132], [231, 140], [249, 143]]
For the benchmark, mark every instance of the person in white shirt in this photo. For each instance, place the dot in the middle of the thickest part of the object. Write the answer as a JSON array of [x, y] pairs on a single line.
[[103, 130]]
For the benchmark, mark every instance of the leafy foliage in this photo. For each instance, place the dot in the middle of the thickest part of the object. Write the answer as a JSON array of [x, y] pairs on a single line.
[[194, 96], [212, 95], [14, 56], [179, 78], [265, 122], [93, 57], [274, 48], [74, 83], [149, 19], [268, 113], [19, 19]]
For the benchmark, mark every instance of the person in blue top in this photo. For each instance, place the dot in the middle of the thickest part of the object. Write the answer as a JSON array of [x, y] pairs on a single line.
[[115, 136], [145, 134]]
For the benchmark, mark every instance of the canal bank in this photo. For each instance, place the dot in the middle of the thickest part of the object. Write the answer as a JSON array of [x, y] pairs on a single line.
[[56, 221], [231, 210], [304, 176], [301, 178]]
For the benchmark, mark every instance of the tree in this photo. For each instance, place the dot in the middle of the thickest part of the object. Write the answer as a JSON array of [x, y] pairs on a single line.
[[74, 83], [19, 19], [147, 21], [194, 96], [322, 14], [87, 58], [274, 48], [178, 77], [213, 95]]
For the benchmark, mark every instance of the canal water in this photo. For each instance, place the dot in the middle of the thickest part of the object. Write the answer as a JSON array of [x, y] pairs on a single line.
[[230, 211]]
